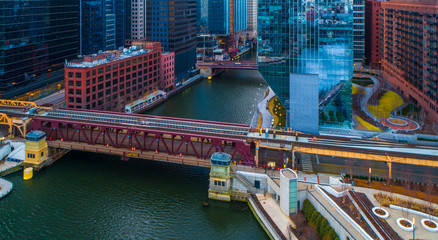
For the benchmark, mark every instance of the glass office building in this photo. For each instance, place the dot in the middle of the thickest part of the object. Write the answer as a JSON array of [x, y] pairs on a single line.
[[103, 25], [35, 39], [305, 53], [173, 23], [219, 18]]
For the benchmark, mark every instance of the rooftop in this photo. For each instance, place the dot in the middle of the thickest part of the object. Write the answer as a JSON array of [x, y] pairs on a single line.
[[221, 156], [113, 55], [288, 173]]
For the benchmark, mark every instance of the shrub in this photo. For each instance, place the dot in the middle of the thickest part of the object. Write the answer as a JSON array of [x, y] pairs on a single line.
[[317, 221]]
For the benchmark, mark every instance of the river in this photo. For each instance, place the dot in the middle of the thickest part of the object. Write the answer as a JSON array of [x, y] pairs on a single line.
[[93, 196]]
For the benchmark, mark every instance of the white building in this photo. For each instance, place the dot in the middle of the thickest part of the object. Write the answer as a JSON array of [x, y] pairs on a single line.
[[138, 19]]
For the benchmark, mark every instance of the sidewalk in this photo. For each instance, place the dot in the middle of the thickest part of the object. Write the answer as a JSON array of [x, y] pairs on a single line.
[[420, 232], [262, 107], [273, 209]]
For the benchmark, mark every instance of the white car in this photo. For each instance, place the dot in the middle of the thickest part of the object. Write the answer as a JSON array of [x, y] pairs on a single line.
[[237, 63]]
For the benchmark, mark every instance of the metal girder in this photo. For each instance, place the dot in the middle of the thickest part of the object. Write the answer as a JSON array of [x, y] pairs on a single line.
[[20, 104], [18, 123], [370, 156], [168, 141]]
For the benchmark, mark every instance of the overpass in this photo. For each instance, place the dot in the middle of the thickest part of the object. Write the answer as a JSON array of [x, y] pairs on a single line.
[[208, 68], [168, 139]]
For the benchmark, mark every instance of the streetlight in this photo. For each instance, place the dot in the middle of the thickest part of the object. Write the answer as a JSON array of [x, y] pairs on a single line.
[[413, 229], [369, 178]]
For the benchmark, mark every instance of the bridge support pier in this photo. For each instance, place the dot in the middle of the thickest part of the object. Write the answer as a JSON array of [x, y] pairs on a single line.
[[256, 158], [390, 167]]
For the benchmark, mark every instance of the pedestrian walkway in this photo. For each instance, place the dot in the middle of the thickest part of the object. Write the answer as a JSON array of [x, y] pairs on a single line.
[[272, 208], [420, 232], [264, 111]]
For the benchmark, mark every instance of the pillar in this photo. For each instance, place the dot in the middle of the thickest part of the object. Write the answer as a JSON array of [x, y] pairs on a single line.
[[257, 154]]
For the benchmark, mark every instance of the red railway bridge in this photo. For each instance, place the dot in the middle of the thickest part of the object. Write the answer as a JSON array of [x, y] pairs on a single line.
[[132, 135]]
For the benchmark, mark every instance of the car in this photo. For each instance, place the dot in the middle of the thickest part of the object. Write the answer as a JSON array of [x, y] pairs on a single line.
[[237, 63], [221, 64]]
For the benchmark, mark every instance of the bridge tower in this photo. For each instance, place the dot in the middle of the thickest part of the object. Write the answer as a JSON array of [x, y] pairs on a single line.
[[220, 177], [36, 149]]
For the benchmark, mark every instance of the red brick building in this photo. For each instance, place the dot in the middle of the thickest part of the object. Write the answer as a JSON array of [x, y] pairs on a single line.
[[410, 62], [112, 79], [373, 33]]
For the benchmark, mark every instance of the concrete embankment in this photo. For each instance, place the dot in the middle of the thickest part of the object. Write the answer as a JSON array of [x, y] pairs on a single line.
[[5, 187]]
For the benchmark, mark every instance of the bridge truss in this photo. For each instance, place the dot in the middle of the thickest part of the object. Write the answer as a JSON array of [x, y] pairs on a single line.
[[133, 137]]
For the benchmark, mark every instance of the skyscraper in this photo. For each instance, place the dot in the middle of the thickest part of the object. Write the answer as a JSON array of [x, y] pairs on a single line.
[[358, 32], [373, 33], [219, 17], [103, 25], [410, 60], [219, 22], [252, 15], [305, 53], [35, 39], [173, 23], [138, 19]]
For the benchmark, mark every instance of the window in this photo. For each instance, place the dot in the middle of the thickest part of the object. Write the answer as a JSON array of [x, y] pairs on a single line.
[[107, 68], [70, 74], [78, 75], [71, 91], [88, 74], [100, 70], [78, 83]]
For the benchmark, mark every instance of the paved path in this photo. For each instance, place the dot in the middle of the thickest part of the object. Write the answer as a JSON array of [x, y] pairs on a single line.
[[263, 109], [369, 92], [420, 232], [273, 209]]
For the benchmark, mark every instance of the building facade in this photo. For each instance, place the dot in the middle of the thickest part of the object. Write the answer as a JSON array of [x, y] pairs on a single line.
[[252, 15], [410, 60], [173, 23], [312, 44], [112, 79], [138, 19], [373, 33], [219, 22], [358, 33], [35, 40], [240, 15], [103, 25]]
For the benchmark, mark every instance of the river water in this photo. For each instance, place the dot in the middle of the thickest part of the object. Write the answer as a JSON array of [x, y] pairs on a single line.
[[94, 196]]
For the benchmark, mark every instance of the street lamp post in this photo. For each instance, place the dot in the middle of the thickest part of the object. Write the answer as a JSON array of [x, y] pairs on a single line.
[[413, 229], [369, 178]]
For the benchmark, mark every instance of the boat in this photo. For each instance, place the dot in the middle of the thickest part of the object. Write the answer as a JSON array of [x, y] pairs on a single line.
[[146, 102]]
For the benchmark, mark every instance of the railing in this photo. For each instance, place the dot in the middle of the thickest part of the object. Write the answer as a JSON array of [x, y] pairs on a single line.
[[266, 215], [245, 182], [367, 212]]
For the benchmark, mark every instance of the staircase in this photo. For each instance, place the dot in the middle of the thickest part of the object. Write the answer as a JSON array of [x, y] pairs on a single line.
[[306, 163], [245, 182]]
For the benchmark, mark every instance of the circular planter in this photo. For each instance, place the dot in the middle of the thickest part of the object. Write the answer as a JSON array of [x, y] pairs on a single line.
[[401, 223], [430, 221], [380, 212]]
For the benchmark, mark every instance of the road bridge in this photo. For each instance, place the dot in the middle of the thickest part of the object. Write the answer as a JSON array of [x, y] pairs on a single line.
[[208, 68], [140, 135]]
